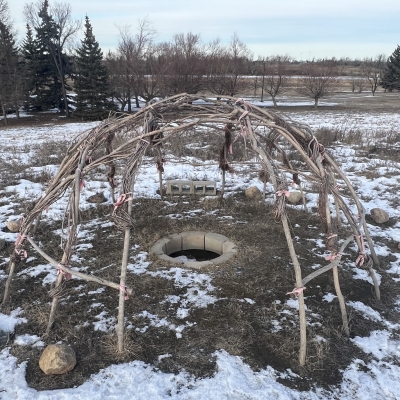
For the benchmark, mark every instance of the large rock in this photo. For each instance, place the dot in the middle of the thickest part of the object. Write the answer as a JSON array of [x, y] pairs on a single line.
[[294, 197], [13, 226], [253, 193], [97, 198], [57, 359], [379, 216]]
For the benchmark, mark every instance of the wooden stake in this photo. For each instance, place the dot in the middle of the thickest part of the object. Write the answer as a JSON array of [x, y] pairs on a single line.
[[8, 283], [223, 184], [342, 303], [121, 302], [67, 250], [289, 240]]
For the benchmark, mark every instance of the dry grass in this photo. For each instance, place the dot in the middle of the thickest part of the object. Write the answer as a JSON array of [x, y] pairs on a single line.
[[261, 272]]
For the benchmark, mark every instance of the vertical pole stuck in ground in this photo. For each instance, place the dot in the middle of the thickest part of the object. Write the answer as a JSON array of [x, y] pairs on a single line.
[[223, 184], [8, 283], [161, 184], [292, 251], [74, 209], [335, 271], [122, 284]]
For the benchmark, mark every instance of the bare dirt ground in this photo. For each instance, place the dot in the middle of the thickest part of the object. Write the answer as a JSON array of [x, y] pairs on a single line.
[[261, 271]]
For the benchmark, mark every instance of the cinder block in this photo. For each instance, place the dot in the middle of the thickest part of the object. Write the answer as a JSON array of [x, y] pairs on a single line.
[[213, 242], [179, 186], [174, 245], [192, 240], [208, 187]]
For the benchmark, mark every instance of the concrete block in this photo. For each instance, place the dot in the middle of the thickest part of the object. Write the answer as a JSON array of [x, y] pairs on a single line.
[[229, 247], [197, 264], [159, 246], [213, 242], [174, 245], [179, 186], [170, 259], [192, 240]]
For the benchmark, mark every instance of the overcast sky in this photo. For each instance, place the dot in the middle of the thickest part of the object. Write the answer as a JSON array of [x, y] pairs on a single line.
[[301, 28]]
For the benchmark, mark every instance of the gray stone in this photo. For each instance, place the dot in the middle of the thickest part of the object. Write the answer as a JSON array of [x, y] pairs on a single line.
[[97, 198], [294, 197], [379, 216], [57, 359], [253, 193]]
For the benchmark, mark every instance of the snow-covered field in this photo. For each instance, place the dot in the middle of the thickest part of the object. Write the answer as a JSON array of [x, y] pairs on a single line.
[[377, 379]]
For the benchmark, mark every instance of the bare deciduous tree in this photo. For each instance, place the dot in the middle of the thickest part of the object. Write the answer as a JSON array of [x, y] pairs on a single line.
[[226, 67], [184, 58], [133, 49], [372, 69], [358, 83], [318, 80], [275, 76]]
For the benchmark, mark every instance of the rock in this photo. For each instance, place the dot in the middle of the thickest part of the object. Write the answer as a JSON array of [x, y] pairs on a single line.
[[379, 216], [57, 359], [294, 197], [13, 226], [97, 198], [253, 193]]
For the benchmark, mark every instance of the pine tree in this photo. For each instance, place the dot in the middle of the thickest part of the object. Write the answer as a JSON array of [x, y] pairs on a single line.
[[391, 77], [91, 84], [41, 75], [10, 72]]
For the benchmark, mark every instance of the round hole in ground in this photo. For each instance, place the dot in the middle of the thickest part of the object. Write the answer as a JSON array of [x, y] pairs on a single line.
[[194, 249], [195, 255]]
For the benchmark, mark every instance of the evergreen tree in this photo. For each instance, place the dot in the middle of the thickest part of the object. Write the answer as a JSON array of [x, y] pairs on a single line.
[[391, 77], [54, 27], [91, 84], [41, 76], [10, 71]]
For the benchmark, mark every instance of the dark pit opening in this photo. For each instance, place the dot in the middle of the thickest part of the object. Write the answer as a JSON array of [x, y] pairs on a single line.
[[195, 254]]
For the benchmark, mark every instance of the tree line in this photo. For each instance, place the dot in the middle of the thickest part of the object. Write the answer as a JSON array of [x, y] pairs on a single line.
[[46, 70]]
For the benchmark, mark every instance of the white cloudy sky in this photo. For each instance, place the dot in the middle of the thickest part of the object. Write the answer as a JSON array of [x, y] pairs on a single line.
[[302, 28]]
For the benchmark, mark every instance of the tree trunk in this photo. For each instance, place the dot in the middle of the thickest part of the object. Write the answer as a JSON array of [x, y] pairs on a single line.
[[316, 102], [274, 101], [4, 113], [129, 101]]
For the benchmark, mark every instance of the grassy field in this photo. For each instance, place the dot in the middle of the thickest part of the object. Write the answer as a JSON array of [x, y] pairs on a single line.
[[240, 306]]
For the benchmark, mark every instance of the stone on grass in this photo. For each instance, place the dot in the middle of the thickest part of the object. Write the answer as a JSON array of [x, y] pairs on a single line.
[[13, 226], [379, 216], [253, 193], [294, 197], [96, 198], [57, 359]]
